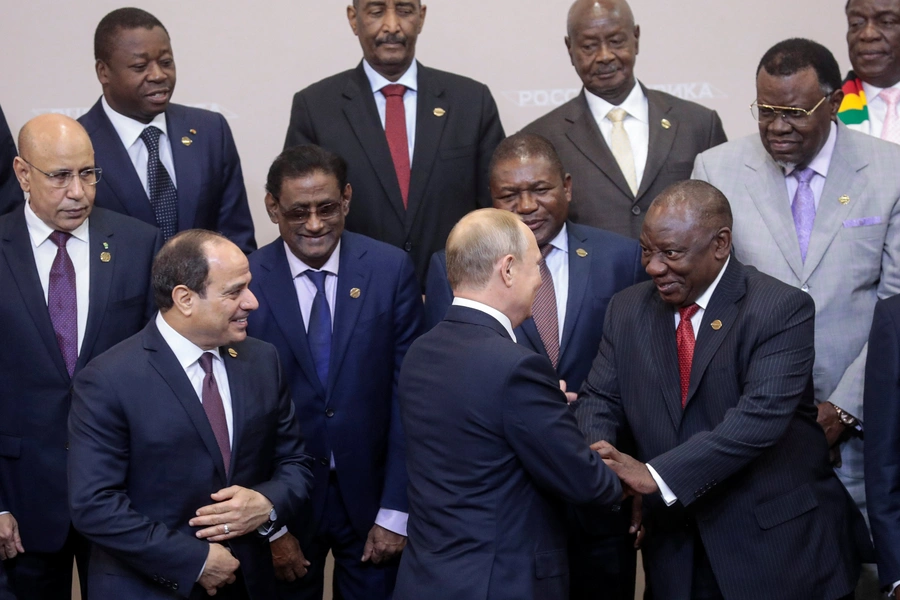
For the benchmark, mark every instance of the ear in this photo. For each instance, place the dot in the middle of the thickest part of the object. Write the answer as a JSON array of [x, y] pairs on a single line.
[[20, 167], [272, 208], [505, 265], [568, 41], [422, 11], [183, 298], [345, 199], [637, 39], [567, 186], [723, 243], [351, 17], [834, 103], [102, 70]]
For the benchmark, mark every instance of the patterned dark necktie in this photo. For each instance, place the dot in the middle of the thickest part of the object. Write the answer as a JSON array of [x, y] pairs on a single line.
[[62, 301], [684, 335], [319, 330], [214, 408], [163, 197], [395, 131], [546, 319]]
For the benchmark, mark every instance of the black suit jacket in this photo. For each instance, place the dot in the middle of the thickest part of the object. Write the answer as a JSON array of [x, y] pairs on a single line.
[[493, 450], [10, 192], [745, 458], [601, 197], [449, 165], [35, 388]]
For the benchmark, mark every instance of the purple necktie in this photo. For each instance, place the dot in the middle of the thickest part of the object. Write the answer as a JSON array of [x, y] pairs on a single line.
[[543, 310], [62, 301], [804, 209], [215, 410]]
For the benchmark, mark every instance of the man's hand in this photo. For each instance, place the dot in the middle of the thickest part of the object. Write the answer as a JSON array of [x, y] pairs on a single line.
[[290, 564], [219, 569], [633, 473], [637, 518], [570, 396], [830, 422], [382, 545], [238, 510], [10, 542]]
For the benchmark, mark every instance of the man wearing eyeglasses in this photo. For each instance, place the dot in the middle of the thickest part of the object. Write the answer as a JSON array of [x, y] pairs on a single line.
[[342, 309], [74, 281], [816, 205]]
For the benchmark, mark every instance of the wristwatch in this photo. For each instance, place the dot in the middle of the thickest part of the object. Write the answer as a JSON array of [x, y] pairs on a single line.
[[846, 418], [268, 527]]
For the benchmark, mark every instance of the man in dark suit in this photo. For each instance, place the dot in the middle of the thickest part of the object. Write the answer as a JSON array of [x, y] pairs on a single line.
[[74, 281], [341, 351], [622, 143], [709, 370], [585, 267], [187, 410], [10, 192], [417, 140], [494, 450], [170, 165]]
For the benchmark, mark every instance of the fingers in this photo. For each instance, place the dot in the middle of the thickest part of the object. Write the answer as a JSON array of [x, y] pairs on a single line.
[[217, 533], [226, 493], [368, 549]]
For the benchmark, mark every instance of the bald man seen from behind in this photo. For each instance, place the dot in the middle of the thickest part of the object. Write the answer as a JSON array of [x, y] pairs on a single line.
[[74, 281]]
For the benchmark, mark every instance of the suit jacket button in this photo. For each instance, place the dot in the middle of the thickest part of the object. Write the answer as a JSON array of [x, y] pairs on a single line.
[[635, 210], [324, 461], [329, 413], [407, 246], [67, 445], [804, 287]]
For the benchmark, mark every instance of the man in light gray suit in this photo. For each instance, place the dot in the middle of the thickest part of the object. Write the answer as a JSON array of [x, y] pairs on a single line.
[[816, 205]]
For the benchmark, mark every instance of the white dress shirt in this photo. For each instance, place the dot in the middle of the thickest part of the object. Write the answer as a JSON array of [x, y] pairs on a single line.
[[392, 520], [78, 248], [877, 107], [558, 264], [130, 131], [636, 123], [411, 80], [488, 310], [703, 301], [819, 164]]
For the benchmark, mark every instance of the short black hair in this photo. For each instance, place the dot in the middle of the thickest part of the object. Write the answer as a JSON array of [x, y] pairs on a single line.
[[796, 54], [527, 145], [182, 261], [121, 18], [703, 199], [302, 161]]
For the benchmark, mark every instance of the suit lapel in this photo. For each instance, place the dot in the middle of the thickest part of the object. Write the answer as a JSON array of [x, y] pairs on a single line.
[[429, 128], [579, 278], [661, 139], [239, 379], [665, 355], [101, 279], [353, 274], [187, 165]]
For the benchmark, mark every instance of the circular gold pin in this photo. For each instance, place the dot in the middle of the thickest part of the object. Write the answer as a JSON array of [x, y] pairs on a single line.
[[105, 257], [232, 353], [193, 131], [354, 293], [665, 124], [581, 252], [844, 199], [439, 112], [717, 324], [187, 141]]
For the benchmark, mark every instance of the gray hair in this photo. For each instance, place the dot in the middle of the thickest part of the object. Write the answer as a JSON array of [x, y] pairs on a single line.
[[477, 242]]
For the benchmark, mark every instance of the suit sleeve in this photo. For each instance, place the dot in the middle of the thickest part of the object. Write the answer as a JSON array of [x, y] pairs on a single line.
[[640, 274], [776, 377], [408, 322], [491, 136], [300, 130], [98, 489], [11, 194], [438, 294], [544, 434], [234, 221], [699, 172], [717, 132]]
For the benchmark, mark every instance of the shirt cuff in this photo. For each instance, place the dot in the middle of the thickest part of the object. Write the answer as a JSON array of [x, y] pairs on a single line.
[[894, 587], [392, 520], [667, 494], [4, 512], [199, 575], [278, 534]]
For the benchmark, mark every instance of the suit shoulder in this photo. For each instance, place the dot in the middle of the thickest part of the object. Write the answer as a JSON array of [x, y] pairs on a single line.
[[870, 146], [775, 291], [121, 223], [683, 106], [454, 80], [601, 238], [200, 116], [252, 347], [329, 86], [123, 358], [548, 124], [265, 253], [378, 250], [734, 150]]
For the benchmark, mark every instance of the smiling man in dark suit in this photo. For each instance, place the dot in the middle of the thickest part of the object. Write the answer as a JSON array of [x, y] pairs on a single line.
[[74, 281], [417, 140], [170, 165]]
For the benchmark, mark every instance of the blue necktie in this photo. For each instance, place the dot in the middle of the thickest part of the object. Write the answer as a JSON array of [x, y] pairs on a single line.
[[163, 196], [319, 330]]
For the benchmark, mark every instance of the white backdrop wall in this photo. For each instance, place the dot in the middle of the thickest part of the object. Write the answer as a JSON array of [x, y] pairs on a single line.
[[246, 59]]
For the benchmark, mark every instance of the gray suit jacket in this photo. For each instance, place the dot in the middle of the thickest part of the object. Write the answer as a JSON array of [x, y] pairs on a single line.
[[601, 197], [853, 257]]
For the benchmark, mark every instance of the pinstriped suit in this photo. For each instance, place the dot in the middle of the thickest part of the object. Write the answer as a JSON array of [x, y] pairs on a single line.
[[852, 260], [745, 457]]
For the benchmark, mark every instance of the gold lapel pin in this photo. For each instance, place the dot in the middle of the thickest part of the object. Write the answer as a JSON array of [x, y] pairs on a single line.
[[439, 112], [105, 257], [665, 124], [845, 199], [106, 245], [717, 324], [581, 252], [354, 293], [193, 131], [232, 353], [187, 141]]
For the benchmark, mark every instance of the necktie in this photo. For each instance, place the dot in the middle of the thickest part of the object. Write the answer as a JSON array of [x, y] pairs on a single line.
[[621, 147], [804, 209], [395, 131], [163, 197], [544, 310], [891, 129], [318, 331], [62, 301], [215, 410], [684, 336]]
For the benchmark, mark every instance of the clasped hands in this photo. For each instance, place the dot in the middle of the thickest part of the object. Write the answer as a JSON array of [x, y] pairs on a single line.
[[636, 481]]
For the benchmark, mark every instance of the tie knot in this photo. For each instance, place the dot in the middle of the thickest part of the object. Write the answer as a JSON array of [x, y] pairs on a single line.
[[318, 279], [206, 362], [617, 115], [60, 238], [150, 135], [890, 95], [687, 312], [804, 175], [547, 249], [394, 89]]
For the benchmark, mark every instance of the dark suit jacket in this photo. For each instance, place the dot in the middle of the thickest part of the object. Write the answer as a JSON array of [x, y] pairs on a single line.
[[601, 197], [34, 384], [143, 459], [449, 165], [357, 415], [493, 452], [882, 408], [611, 264], [10, 192], [745, 458], [211, 192]]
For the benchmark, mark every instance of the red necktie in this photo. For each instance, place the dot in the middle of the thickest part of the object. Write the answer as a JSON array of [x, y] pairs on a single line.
[[215, 409], [395, 131], [546, 319], [684, 336]]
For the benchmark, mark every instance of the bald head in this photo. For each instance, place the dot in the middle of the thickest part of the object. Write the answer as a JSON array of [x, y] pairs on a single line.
[[55, 167], [585, 11], [697, 201]]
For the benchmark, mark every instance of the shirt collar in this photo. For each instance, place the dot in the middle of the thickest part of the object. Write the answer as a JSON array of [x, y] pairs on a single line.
[[186, 351], [489, 310], [298, 267], [703, 300], [820, 163], [130, 130], [561, 241], [635, 104], [873, 91], [40, 231], [410, 79]]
